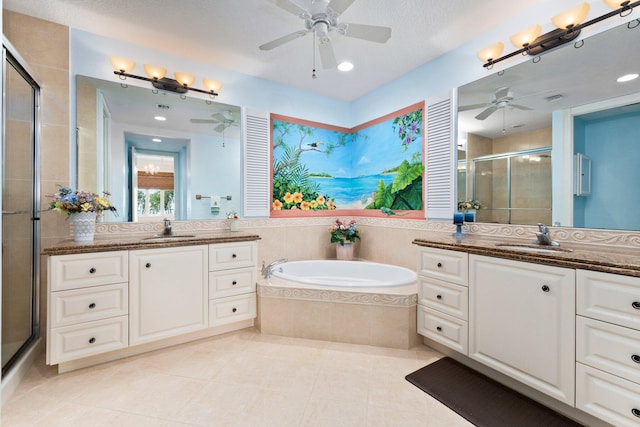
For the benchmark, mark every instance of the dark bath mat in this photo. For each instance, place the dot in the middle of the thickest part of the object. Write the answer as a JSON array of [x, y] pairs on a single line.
[[481, 400]]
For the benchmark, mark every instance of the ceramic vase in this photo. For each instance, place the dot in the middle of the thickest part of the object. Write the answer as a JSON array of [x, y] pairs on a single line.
[[233, 224], [344, 252], [84, 226]]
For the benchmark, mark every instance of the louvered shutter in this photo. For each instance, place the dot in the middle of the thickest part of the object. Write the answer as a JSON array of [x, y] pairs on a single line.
[[440, 158], [257, 164]]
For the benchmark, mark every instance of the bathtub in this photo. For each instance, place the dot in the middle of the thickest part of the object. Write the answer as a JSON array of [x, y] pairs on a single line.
[[345, 274], [356, 302]]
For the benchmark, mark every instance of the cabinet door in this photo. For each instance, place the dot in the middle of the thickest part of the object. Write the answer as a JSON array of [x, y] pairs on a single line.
[[168, 292], [522, 322]]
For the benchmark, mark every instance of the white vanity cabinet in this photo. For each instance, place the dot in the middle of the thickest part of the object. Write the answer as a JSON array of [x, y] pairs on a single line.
[[232, 282], [522, 322], [168, 293], [608, 346], [87, 305], [443, 297], [111, 304]]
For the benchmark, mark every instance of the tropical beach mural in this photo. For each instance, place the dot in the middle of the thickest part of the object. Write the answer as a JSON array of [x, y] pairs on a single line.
[[374, 166]]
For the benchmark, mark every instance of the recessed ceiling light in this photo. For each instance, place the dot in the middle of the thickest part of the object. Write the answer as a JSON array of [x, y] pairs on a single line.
[[160, 118], [156, 139], [627, 78], [345, 66]]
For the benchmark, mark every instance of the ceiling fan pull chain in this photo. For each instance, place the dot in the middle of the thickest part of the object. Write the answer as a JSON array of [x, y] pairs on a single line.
[[313, 73]]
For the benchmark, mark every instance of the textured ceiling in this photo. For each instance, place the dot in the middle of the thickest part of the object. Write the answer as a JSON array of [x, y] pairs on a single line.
[[227, 33]]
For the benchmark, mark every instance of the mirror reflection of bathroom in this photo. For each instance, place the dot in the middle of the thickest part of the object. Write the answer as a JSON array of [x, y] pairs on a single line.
[[154, 174], [205, 136], [510, 176], [156, 178]]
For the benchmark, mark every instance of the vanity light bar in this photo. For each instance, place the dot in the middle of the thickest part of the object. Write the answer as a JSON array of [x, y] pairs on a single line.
[[182, 83], [561, 36], [166, 84]]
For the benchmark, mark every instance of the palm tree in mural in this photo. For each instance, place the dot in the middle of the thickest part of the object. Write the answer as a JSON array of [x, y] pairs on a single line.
[[405, 192], [292, 187]]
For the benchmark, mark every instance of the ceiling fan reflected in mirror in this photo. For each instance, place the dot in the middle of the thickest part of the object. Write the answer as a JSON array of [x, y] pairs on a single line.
[[225, 120], [502, 98], [322, 18]]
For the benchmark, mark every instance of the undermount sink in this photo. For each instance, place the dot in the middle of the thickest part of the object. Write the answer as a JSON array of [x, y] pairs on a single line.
[[167, 237], [532, 248]]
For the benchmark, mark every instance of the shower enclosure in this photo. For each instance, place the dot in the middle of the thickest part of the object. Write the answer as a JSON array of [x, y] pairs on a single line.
[[514, 188], [20, 208]]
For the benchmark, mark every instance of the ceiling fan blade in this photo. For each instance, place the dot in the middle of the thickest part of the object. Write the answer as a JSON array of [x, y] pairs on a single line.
[[520, 107], [282, 40], [486, 113], [367, 32], [501, 92], [472, 107], [293, 8], [327, 57], [219, 117], [220, 127], [204, 121], [339, 6]]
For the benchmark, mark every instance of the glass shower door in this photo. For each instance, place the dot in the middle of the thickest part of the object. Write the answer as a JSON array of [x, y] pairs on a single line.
[[19, 212]]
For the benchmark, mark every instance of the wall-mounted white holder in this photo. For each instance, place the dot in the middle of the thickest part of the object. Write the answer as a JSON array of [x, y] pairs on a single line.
[[582, 178]]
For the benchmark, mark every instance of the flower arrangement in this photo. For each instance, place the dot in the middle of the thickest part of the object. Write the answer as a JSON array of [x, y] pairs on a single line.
[[233, 215], [341, 232], [67, 201], [464, 206]]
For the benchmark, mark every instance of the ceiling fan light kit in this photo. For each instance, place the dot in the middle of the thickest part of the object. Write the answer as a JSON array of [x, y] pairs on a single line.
[[568, 26], [156, 76], [322, 19]]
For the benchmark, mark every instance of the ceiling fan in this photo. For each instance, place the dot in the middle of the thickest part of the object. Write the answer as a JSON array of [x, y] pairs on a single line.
[[225, 120], [322, 18], [502, 98]]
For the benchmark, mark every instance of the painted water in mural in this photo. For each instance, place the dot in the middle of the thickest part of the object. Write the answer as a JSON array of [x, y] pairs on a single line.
[[317, 168]]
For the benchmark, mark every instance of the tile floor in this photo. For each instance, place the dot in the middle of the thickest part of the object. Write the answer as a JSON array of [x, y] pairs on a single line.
[[239, 379]]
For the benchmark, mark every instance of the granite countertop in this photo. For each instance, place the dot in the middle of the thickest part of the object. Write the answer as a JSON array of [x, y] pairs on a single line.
[[117, 243], [605, 258]]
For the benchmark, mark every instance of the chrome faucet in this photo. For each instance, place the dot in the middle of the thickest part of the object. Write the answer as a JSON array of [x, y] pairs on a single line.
[[266, 269], [543, 236], [167, 228]]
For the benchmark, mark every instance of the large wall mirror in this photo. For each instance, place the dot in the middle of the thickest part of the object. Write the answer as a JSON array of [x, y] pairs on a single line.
[[154, 168], [556, 141]]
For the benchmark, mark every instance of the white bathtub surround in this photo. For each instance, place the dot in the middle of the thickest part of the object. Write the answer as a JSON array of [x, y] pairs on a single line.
[[348, 275], [383, 316]]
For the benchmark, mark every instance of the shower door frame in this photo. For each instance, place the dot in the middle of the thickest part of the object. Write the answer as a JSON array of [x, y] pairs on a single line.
[[11, 57]]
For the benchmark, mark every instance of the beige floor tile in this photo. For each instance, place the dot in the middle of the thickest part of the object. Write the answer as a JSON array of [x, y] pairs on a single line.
[[327, 412], [238, 379]]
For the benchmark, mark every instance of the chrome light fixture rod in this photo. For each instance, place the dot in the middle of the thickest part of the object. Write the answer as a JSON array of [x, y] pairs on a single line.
[[558, 37], [166, 84]]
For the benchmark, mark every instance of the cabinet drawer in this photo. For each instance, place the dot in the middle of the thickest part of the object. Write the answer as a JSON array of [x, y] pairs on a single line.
[[232, 255], [87, 339], [607, 397], [81, 270], [232, 282], [232, 309], [608, 347], [443, 264], [445, 297], [87, 304], [609, 297], [442, 328]]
